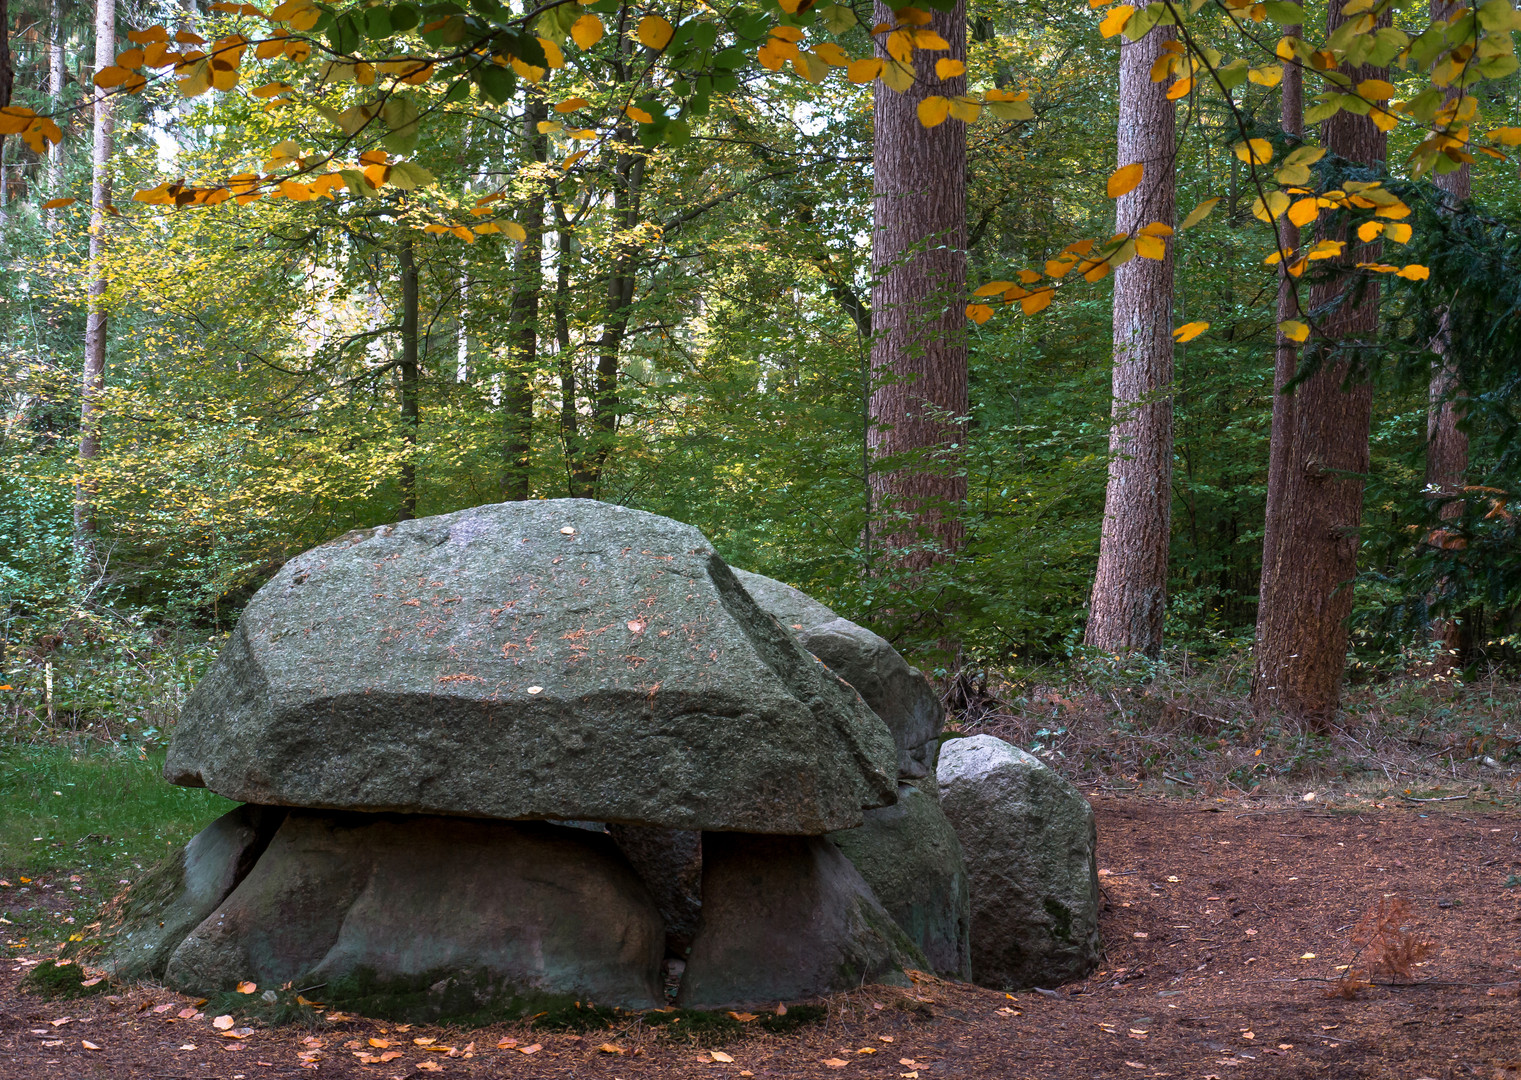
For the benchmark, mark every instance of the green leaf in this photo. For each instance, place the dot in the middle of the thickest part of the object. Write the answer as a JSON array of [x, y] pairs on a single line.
[[377, 23], [1324, 110], [409, 176], [497, 83], [355, 181], [344, 35], [403, 18], [1233, 74], [837, 18], [678, 133], [1284, 13]]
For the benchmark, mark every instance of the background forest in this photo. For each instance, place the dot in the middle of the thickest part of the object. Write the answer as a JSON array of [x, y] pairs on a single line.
[[698, 345]]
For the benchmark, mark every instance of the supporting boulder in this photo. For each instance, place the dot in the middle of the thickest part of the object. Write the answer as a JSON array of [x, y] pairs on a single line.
[[425, 918], [787, 917], [150, 919], [1029, 839], [910, 856], [901, 695], [669, 862]]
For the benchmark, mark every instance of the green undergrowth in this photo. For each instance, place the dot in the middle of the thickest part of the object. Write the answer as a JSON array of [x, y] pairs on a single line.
[[77, 822], [272, 1008], [701, 1027], [57, 981]]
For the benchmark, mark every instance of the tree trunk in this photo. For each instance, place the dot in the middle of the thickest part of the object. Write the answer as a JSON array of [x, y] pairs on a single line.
[[579, 484], [7, 84], [517, 400], [1129, 603], [1301, 647], [56, 73], [1285, 353], [918, 297], [92, 380], [628, 180], [407, 375]]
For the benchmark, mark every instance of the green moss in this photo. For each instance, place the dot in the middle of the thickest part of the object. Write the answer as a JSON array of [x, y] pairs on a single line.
[[1061, 920], [256, 1008], [577, 1016], [702, 1028], [441, 996], [52, 980]]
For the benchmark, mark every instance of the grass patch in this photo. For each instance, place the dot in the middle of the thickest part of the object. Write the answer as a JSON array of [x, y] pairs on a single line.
[[57, 981], [285, 1008], [578, 1017], [98, 815]]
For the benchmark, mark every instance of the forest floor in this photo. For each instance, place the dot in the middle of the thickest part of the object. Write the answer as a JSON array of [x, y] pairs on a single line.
[[1227, 925]]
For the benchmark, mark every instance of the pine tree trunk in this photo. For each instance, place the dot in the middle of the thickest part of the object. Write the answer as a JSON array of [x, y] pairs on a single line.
[[918, 299], [579, 483], [1285, 353], [92, 380], [1446, 445], [1129, 603], [517, 400], [1302, 630], [408, 375]]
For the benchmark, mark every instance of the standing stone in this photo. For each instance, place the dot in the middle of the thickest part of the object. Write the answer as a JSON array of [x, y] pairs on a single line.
[[1029, 841], [910, 856], [669, 862], [164, 905], [564, 659], [901, 695], [787, 917], [433, 918]]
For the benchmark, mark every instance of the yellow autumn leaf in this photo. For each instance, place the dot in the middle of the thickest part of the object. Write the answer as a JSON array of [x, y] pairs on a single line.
[[1369, 230], [1394, 211], [1304, 211], [515, 231], [1398, 231], [1115, 21], [55, 204], [633, 112], [930, 41], [993, 288], [810, 67], [108, 77], [864, 71], [831, 54], [571, 104], [1326, 249], [246, 987], [1124, 179], [1415, 272], [1270, 75], [1294, 330], [900, 45], [1507, 136], [1383, 119], [587, 31], [1189, 331], [933, 110], [946, 68], [979, 313], [1272, 208], [1199, 213], [1180, 89], [655, 32], [549, 127], [1151, 247], [1375, 90], [1037, 301], [1255, 151], [269, 90]]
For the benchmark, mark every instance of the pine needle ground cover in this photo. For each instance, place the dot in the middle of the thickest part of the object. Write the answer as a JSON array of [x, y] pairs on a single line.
[[1228, 926]]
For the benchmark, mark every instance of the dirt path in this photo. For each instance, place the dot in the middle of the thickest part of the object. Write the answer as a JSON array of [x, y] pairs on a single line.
[[1223, 927]]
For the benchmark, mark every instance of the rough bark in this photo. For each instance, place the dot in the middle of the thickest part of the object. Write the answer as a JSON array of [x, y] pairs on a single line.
[[918, 296], [1285, 352], [1129, 602], [407, 372], [92, 379], [7, 82], [517, 399], [1446, 444], [1302, 617]]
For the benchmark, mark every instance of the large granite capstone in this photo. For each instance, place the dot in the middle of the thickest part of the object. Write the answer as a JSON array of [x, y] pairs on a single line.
[[565, 659]]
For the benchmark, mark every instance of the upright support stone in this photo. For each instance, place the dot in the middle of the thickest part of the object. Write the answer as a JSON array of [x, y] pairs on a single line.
[[787, 917], [1029, 839]]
